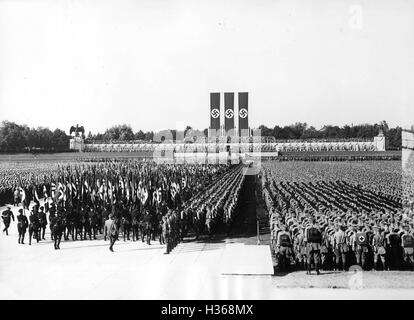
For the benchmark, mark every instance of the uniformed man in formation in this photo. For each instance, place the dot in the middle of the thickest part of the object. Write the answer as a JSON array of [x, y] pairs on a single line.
[[172, 230], [216, 206]]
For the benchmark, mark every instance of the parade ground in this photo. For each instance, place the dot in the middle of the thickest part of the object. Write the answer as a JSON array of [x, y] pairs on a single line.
[[232, 268]]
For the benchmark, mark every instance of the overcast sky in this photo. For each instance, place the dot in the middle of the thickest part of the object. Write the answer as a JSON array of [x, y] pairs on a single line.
[[153, 63]]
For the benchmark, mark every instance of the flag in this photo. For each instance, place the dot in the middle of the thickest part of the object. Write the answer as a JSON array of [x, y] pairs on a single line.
[[144, 195], [35, 196], [23, 192], [60, 192], [74, 190], [173, 190], [159, 197], [127, 185], [45, 192], [93, 195], [101, 192], [110, 196], [184, 182], [133, 192], [53, 189]]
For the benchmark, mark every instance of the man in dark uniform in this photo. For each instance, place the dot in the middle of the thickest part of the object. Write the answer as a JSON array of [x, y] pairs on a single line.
[[22, 224], [33, 226], [46, 206], [167, 233], [6, 219], [163, 208], [43, 222], [164, 230], [395, 249], [160, 228], [52, 209], [147, 227]]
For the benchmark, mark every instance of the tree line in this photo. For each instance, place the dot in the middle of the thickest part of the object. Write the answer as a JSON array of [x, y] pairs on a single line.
[[21, 138], [120, 133], [125, 133], [302, 131]]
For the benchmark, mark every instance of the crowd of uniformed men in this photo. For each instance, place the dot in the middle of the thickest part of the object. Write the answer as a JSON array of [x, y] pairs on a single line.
[[347, 220], [322, 215], [141, 199]]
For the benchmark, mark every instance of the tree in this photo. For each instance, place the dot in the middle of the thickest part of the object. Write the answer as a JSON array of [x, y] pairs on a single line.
[[297, 130], [140, 135], [174, 134], [11, 136], [310, 133], [149, 136], [265, 131], [21, 138], [119, 133], [394, 138], [45, 138], [59, 140]]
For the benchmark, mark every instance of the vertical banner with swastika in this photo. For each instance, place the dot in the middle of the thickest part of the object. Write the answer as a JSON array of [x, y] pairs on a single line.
[[228, 111], [243, 113], [215, 110]]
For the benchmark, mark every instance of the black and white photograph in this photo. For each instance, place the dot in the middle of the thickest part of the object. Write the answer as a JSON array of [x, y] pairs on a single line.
[[206, 150]]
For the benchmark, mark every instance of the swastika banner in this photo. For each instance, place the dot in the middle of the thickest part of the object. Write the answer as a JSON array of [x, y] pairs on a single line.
[[228, 111], [215, 110], [243, 112]]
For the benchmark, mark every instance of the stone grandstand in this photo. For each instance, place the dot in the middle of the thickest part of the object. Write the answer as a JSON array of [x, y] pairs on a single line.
[[378, 144]]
